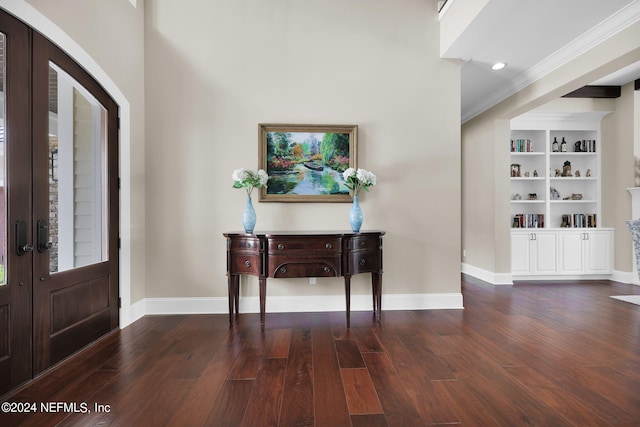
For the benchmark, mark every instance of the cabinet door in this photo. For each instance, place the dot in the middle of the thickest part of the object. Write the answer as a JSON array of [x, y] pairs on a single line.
[[598, 254], [571, 252], [520, 253], [545, 258]]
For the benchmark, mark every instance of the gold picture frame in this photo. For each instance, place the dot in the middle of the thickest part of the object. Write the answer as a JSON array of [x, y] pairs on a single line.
[[305, 162]]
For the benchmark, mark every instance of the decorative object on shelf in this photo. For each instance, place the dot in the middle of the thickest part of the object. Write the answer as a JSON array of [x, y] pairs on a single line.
[[515, 170], [533, 196], [535, 173], [516, 196], [305, 162], [576, 196], [558, 173], [577, 174], [577, 147], [588, 174], [248, 179], [563, 146], [357, 180], [555, 194], [554, 146], [526, 174], [566, 168]]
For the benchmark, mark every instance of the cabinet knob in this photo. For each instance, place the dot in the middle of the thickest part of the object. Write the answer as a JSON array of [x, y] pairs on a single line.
[[280, 246], [363, 261], [283, 270], [328, 246], [327, 269], [247, 263]]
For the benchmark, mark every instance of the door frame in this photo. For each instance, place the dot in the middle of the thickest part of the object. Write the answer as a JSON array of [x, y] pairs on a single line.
[[33, 18]]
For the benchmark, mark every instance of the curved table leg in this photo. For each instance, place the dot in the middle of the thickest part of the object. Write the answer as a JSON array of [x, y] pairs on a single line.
[[263, 297], [376, 284], [347, 293]]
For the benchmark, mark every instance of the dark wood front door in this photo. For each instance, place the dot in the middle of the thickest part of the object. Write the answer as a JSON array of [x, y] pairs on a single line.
[[75, 206], [15, 199], [61, 207]]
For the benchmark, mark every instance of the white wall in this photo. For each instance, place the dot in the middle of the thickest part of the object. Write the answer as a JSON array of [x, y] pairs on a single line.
[[216, 69]]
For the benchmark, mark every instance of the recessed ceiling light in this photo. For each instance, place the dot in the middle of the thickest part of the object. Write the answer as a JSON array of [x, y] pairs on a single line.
[[498, 66]]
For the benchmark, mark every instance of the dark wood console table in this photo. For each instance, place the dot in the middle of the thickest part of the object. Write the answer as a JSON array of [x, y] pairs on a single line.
[[304, 254]]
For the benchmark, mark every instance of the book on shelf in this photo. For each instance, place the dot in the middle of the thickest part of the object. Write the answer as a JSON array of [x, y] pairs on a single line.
[[528, 221], [585, 146], [579, 221], [521, 146]]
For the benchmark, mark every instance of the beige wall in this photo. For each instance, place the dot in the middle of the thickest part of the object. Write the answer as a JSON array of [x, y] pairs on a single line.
[[488, 249], [217, 69], [209, 72]]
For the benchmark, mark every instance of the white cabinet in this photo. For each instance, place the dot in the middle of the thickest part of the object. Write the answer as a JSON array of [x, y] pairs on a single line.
[[533, 252], [561, 253], [586, 252]]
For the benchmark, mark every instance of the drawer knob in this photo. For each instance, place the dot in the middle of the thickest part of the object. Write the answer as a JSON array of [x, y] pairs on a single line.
[[283, 270], [363, 261], [247, 263], [327, 269], [328, 246], [280, 246]]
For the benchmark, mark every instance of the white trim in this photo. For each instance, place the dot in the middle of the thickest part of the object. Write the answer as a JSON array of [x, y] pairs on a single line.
[[296, 304], [487, 276], [616, 23], [625, 277], [28, 14]]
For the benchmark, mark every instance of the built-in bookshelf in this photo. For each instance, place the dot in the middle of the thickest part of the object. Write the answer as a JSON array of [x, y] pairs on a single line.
[[555, 171], [555, 187]]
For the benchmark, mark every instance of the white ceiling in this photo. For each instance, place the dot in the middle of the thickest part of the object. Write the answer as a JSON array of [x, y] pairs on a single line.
[[533, 37]]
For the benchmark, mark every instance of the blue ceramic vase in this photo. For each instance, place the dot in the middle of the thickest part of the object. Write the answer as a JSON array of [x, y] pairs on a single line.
[[355, 217], [249, 216]]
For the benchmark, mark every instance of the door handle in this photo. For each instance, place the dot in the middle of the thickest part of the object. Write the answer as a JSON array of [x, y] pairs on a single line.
[[22, 247], [43, 236]]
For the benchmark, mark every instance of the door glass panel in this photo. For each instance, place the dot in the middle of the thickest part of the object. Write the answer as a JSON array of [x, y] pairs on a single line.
[[77, 175], [3, 196]]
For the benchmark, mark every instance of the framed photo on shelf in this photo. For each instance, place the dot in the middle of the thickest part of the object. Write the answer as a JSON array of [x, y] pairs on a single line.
[[305, 162]]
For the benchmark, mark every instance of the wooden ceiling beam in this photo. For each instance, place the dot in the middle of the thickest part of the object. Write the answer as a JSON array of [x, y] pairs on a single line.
[[596, 92]]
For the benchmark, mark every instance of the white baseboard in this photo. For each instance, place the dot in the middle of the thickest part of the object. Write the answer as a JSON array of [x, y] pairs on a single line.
[[625, 277], [288, 304], [487, 276]]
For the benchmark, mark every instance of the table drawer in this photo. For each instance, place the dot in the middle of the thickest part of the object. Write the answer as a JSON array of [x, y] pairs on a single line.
[[243, 244], [363, 262], [312, 268], [365, 242], [245, 264], [318, 245]]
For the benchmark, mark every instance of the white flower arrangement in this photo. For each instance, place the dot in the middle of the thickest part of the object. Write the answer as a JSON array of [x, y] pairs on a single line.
[[360, 179], [249, 179]]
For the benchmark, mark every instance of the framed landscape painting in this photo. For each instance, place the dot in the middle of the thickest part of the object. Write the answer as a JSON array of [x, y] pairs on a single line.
[[305, 162]]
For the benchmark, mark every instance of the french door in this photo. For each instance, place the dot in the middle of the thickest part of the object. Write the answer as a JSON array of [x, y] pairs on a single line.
[[59, 284]]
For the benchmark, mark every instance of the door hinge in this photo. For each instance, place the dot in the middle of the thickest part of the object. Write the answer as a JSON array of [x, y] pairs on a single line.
[[119, 302], [119, 243]]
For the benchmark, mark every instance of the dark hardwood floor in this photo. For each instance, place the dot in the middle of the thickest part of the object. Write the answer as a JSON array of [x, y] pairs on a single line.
[[535, 354]]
